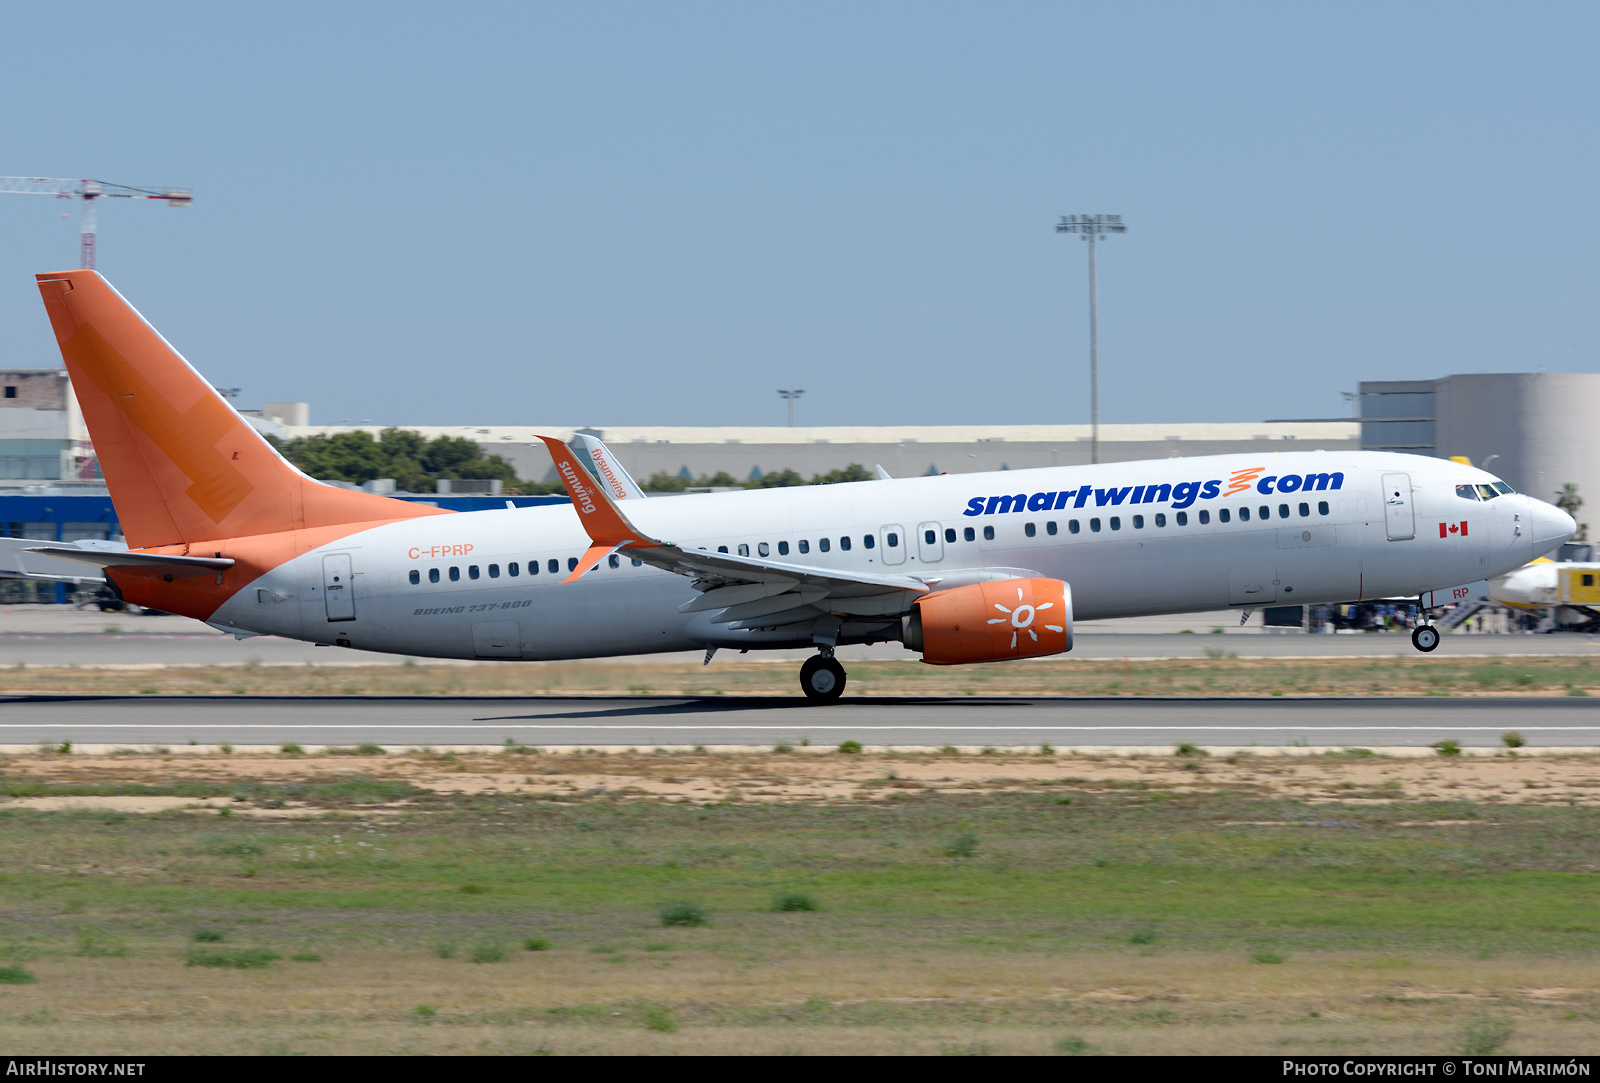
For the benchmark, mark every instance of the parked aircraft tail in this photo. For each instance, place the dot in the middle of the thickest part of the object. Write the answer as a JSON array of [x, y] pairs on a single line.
[[181, 464]]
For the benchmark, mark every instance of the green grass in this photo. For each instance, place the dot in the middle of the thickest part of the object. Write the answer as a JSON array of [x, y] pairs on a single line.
[[682, 913], [536, 943], [234, 958], [1218, 872], [794, 902], [16, 975]]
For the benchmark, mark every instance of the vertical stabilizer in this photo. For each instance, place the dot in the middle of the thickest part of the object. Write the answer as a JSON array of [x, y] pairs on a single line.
[[181, 464]]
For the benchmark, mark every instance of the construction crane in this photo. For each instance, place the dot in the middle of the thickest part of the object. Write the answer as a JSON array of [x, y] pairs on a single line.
[[89, 191]]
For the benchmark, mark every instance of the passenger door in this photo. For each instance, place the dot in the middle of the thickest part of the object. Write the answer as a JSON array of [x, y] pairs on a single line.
[[338, 588], [1399, 517], [892, 543], [931, 545]]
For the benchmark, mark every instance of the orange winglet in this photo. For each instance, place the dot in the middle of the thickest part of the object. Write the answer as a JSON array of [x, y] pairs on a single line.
[[591, 556], [605, 524]]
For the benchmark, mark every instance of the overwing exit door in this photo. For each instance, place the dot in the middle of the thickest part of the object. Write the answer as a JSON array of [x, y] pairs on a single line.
[[338, 592], [1399, 518]]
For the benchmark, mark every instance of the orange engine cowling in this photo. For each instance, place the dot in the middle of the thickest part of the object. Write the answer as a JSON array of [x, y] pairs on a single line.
[[987, 622]]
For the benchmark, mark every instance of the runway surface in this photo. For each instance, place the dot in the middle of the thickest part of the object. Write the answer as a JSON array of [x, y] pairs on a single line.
[[648, 721], [210, 648]]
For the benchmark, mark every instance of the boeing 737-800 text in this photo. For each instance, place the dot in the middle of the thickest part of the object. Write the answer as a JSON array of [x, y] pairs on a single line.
[[960, 568]]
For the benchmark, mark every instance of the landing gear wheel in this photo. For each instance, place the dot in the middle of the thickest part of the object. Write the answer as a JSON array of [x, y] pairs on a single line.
[[822, 679], [1425, 638]]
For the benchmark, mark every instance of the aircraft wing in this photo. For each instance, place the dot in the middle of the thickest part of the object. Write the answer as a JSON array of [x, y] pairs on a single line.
[[749, 592]]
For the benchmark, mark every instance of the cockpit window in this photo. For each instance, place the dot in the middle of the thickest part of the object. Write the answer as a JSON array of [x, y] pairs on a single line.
[[1487, 492], [1503, 488], [1467, 492]]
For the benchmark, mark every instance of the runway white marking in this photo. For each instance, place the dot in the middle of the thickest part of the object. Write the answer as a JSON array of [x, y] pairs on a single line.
[[775, 725]]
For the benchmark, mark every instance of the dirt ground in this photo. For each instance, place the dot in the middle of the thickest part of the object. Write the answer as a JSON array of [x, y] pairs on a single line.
[[811, 775], [1217, 674]]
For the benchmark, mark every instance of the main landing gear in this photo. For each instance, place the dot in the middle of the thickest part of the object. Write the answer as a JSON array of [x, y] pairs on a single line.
[[822, 677]]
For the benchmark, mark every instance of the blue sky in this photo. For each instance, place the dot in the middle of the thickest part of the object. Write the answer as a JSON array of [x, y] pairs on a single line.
[[658, 214]]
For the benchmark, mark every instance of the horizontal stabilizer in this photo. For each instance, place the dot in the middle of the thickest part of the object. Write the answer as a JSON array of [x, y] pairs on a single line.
[[160, 564]]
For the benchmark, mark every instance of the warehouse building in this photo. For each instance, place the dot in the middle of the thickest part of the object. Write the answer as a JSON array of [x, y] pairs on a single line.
[[1536, 430]]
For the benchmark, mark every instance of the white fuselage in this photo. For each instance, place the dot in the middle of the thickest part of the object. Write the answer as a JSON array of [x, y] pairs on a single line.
[[1207, 533]]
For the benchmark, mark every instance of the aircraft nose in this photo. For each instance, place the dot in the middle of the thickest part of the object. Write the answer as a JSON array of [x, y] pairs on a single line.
[[1550, 526]]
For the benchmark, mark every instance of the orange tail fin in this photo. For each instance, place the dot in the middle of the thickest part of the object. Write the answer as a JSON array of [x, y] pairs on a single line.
[[181, 464]]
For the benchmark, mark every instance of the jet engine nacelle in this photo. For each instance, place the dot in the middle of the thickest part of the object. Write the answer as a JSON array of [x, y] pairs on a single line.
[[987, 622]]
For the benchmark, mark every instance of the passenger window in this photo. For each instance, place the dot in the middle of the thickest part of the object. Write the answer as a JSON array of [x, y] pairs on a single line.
[[433, 575], [930, 537], [722, 548], [472, 571], [636, 562], [1050, 527], [968, 534], [572, 564], [824, 544], [1094, 526], [1588, 579], [1467, 492], [1322, 507], [868, 541], [1138, 522], [844, 542], [1222, 515], [494, 571], [613, 561], [1305, 510], [1181, 518], [805, 547], [555, 566], [893, 540], [744, 549], [533, 567], [1283, 511], [416, 577], [1205, 516], [1161, 518], [1265, 512], [1244, 515], [950, 534], [1072, 526], [1029, 529], [762, 549], [988, 533], [455, 575], [783, 549], [1116, 522]]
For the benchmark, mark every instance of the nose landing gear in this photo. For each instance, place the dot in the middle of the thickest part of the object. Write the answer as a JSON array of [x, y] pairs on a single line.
[[822, 677], [1425, 637]]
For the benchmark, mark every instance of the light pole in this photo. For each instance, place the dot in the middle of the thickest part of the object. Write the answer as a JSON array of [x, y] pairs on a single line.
[[790, 396], [1091, 227]]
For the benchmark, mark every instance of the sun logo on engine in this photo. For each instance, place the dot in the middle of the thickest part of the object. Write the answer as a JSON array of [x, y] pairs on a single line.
[[1021, 619]]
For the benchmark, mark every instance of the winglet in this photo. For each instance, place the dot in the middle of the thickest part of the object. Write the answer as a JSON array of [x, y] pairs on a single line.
[[604, 522]]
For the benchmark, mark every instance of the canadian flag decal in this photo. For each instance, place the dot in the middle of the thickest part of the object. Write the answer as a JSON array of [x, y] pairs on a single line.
[[1447, 529]]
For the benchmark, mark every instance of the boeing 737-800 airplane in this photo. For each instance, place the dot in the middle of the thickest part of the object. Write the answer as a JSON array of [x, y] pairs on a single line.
[[960, 568]]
